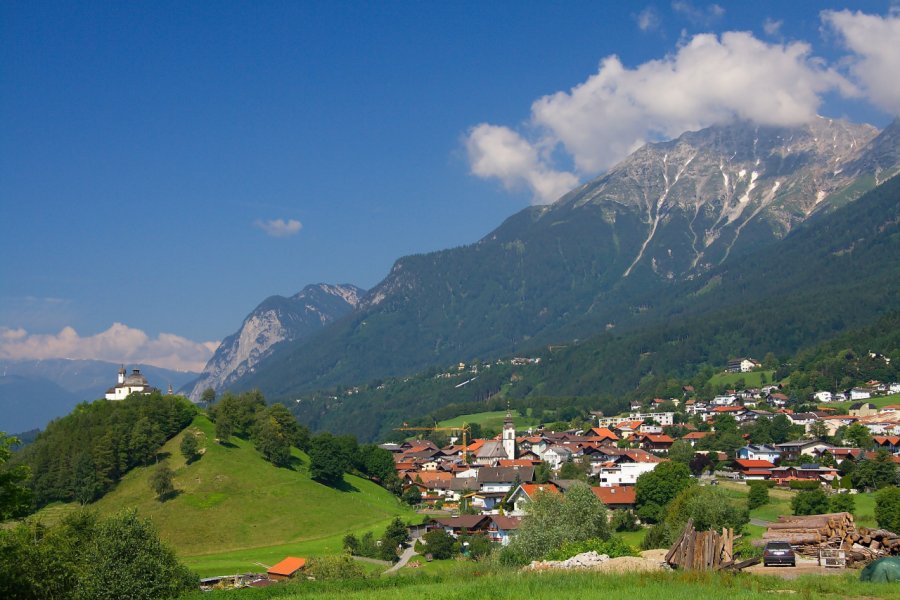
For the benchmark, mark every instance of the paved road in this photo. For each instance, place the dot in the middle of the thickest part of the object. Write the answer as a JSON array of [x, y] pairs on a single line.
[[408, 553], [760, 522]]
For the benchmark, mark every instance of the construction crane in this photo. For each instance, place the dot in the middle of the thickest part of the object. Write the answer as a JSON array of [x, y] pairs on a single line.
[[464, 428]]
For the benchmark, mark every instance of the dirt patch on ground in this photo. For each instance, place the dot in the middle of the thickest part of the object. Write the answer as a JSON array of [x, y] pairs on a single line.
[[658, 554], [631, 564], [804, 567]]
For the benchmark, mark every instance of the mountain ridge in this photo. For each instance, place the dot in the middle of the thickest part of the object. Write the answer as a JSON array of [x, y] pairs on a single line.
[[275, 320], [603, 250]]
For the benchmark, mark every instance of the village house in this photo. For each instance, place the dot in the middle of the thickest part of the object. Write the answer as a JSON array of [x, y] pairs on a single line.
[[501, 528], [695, 436], [862, 409], [859, 393], [625, 468], [759, 452], [805, 420], [616, 497], [526, 492], [556, 456], [823, 396], [654, 443], [806, 472], [834, 422], [753, 469], [889, 443], [795, 450], [741, 365]]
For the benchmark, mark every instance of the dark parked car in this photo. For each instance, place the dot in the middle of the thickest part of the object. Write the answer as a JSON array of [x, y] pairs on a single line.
[[779, 553]]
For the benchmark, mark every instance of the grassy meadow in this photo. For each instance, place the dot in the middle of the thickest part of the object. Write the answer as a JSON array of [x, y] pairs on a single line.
[[880, 402], [467, 580], [752, 379], [233, 510], [492, 419]]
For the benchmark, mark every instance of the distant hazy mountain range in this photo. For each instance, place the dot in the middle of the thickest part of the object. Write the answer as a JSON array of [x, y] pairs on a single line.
[[670, 212], [33, 392]]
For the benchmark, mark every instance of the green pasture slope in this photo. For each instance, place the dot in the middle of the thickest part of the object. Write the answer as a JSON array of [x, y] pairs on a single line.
[[493, 419], [879, 402], [234, 510], [753, 379]]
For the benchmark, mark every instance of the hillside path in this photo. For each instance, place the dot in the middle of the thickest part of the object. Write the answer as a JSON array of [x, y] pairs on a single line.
[[374, 561], [760, 522], [408, 553]]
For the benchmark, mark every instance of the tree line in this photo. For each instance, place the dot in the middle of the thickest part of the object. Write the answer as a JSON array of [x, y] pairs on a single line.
[[82, 455]]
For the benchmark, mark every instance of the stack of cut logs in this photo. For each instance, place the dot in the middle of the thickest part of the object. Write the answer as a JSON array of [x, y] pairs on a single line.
[[809, 534]]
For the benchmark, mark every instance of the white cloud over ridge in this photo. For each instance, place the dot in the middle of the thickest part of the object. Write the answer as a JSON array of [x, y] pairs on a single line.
[[875, 43], [709, 79], [279, 227], [119, 343]]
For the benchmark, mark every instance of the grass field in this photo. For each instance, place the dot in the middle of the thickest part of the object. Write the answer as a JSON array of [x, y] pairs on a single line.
[[475, 580], [880, 402], [233, 509], [751, 379], [492, 419]]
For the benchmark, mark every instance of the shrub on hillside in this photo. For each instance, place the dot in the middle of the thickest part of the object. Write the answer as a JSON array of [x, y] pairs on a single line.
[[614, 547], [625, 520], [841, 503], [440, 544], [334, 567], [810, 502], [887, 509], [554, 519], [759, 494]]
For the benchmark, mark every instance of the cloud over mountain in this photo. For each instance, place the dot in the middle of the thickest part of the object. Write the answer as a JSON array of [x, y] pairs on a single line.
[[710, 79], [875, 63], [119, 343]]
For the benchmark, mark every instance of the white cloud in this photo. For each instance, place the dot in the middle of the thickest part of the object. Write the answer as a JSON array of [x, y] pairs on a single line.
[[279, 227], [709, 80], [772, 26], [119, 343], [875, 64], [698, 16], [502, 153], [648, 19]]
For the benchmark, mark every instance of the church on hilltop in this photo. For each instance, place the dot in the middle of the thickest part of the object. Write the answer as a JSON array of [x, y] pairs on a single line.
[[129, 384]]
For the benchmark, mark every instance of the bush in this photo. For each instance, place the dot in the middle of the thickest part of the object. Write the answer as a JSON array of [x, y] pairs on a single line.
[[440, 544], [657, 537], [334, 567], [810, 502], [841, 503], [887, 509], [759, 495], [625, 520], [614, 547]]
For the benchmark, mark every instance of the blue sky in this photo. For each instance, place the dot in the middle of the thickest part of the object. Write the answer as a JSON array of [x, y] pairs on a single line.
[[166, 166]]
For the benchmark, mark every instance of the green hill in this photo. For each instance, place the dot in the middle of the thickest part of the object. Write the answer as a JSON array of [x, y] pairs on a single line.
[[233, 509]]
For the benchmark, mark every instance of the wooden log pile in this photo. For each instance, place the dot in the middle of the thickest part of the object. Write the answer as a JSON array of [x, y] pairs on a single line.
[[812, 533], [702, 550]]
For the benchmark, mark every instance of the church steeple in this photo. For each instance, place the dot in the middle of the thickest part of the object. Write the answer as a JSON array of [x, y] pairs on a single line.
[[509, 434]]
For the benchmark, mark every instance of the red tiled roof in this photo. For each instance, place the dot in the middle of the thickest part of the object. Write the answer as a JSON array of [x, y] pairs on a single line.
[[603, 432], [696, 435], [288, 566], [725, 409], [531, 489], [617, 494], [753, 464], [881, 440], [657, 439]]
